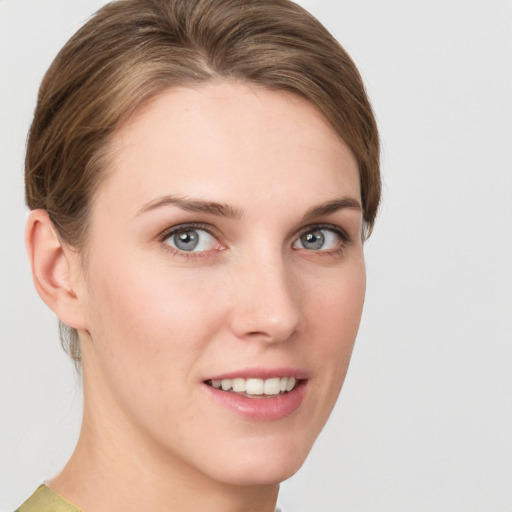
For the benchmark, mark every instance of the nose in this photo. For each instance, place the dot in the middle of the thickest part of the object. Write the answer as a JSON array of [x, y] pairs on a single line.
[[266, 305]]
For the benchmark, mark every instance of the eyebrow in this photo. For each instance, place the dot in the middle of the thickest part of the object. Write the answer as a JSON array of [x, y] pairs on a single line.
[[225, 210], [193, 205], [332, 206]]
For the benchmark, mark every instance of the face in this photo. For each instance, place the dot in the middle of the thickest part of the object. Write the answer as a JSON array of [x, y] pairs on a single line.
[[224, 282]]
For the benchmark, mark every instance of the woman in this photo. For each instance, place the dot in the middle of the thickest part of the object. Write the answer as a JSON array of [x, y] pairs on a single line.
[[201, 176]]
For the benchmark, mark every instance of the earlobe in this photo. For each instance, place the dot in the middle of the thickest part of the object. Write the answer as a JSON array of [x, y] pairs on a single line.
[[54, 269]]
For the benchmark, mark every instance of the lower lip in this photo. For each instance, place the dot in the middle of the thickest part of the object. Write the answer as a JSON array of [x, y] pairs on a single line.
[[261, 409]]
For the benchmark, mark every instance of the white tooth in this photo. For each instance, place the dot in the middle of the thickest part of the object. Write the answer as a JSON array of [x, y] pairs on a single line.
[[272, 386], [291, 384], [239, 385], [226, 384], [254, 386]]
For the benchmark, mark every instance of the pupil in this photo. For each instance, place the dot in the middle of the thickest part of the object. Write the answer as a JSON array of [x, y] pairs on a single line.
[[313, 240], [186, 240]]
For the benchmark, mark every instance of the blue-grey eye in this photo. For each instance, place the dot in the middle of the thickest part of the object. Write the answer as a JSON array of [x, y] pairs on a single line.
[[318, 240], [189, 240]]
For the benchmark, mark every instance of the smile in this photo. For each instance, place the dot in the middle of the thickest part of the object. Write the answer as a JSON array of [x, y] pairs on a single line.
[[255, 387], [259, 399]]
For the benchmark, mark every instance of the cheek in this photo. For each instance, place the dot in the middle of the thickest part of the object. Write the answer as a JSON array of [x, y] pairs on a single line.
[[149, 321], [334, 318], [336, 310]]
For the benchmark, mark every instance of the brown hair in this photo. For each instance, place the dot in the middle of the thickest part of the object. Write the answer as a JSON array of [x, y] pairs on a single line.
[[132, 50]]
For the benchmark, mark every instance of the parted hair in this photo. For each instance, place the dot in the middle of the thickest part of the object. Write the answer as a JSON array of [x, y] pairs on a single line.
[[132, 50]]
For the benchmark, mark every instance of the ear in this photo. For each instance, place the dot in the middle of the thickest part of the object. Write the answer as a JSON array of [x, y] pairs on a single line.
[[55, 269]]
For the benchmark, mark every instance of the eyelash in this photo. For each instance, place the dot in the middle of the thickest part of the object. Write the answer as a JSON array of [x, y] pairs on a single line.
[[344, 237], [187, 255]]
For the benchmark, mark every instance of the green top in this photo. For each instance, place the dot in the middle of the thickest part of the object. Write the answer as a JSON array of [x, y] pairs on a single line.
[[46, 500]]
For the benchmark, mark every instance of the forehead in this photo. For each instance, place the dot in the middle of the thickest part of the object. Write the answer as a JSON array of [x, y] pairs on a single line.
[[227, 139]]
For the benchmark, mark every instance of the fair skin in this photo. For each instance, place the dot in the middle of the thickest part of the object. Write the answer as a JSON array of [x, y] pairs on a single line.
[[264, 278]]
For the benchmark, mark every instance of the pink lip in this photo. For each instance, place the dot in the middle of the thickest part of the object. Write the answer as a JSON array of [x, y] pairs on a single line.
[[260, 409]]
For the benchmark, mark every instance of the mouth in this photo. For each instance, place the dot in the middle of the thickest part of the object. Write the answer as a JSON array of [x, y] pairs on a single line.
[[256, 388], [259, 394]]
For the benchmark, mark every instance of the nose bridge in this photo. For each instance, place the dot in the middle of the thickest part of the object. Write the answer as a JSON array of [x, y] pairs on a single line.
[[266, 304]]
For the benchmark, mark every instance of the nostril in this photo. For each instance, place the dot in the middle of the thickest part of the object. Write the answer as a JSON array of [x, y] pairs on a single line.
[[270, 336]]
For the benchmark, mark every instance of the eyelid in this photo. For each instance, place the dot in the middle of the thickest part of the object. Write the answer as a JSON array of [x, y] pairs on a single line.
[[191, 255], [345, 237], [187, 225]]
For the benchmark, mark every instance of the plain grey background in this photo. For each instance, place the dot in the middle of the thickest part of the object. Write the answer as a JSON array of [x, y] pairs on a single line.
[[424, 422]]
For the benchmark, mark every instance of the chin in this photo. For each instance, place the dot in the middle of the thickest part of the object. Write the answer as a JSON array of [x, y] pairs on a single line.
[[266, 464], [271, 472]]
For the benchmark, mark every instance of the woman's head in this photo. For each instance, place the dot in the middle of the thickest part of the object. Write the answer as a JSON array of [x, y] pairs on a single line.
[[213, 165], [224, 249]]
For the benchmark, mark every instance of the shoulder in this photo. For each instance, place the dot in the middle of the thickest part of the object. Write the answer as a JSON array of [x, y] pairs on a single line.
[[46, 500]]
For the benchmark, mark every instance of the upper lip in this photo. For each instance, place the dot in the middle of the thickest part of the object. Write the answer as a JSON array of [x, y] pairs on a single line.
[[260, 373]]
